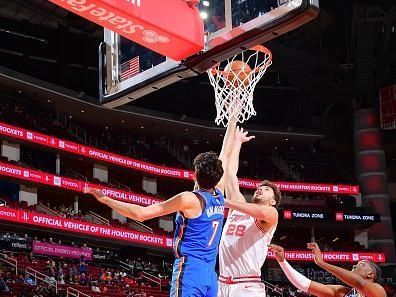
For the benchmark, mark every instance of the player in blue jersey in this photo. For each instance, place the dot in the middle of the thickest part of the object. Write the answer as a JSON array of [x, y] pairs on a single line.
[[199, 222]]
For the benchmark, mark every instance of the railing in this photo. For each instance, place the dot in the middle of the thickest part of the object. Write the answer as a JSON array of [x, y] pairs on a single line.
[[26, 165], [75, 293], [272, 288], [47, 210], [41, 276], [152, 278], [76, 175], [62, 119], [125, 266], [178, 152], [96, 143], [284, 167], [139, 226], [10, 261], [99, 218], [79, 133], [119, 185]]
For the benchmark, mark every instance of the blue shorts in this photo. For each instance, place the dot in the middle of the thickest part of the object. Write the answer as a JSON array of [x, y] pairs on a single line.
[[193, 278]]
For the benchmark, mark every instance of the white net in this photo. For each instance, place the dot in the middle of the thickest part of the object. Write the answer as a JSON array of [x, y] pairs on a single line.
[[234, 82]]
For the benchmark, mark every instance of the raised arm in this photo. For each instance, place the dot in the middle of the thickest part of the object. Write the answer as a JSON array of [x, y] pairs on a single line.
[[350, 278], [226, 149], [232, 184], [303, 283], [181, 202], [265, 213]]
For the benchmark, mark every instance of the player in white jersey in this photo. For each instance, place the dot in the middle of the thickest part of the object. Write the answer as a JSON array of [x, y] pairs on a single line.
[[247, 232]]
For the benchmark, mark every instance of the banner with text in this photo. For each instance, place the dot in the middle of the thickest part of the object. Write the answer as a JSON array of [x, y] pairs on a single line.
[[304, 215], [15, 244], [48, 179], [43, 248], [332, 256], [355, 217], [68, 225], [82, 150], [295, 215]]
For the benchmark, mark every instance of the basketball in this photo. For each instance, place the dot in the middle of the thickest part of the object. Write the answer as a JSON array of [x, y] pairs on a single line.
[[239, 69]]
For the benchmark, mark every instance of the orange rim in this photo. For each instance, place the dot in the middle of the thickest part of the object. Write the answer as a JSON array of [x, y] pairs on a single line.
[[257, 48]]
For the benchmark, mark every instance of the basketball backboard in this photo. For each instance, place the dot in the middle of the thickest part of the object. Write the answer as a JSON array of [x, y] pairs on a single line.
[[130, 71]]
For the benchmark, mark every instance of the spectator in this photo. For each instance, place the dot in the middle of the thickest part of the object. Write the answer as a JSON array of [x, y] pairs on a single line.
[[83, 267], [51, 280], [20, 279], [83, 279], [95, 287], [41, 289], [3, 286], [29, 280], [61, 280]]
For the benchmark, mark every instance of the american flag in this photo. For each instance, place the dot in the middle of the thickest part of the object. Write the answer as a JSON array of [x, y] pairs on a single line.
[[130, 68]]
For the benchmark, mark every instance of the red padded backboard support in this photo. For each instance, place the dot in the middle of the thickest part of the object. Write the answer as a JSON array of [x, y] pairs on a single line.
[[169, 27]]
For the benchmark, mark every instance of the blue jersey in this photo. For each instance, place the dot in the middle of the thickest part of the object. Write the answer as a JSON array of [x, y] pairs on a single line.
[[199, 237], [354, 293]]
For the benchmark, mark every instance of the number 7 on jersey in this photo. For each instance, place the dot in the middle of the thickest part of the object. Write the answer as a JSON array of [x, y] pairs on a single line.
[[215, 225]]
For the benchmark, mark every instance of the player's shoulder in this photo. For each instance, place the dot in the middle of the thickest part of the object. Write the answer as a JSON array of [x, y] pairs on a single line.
[[188, 197], [380, 289], [272, 210]]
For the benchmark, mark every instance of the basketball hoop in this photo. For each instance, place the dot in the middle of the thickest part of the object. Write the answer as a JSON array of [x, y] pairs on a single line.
[[234, 83]]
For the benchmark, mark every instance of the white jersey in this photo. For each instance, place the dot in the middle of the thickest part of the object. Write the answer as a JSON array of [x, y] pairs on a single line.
[[243, 246]]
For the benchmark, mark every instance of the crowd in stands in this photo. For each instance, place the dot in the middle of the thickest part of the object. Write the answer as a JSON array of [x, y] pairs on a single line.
[[96, 277], [310, 166], [313, 166], [24, 113]]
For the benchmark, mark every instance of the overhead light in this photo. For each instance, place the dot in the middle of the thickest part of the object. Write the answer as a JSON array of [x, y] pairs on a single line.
[[208, 142], [221, 135], [205, 3], [49, 101], [142, 127], [82, 111], [204, 15], [186, 129], [70, 116], [107, 127], [122, 121], [286, 139]]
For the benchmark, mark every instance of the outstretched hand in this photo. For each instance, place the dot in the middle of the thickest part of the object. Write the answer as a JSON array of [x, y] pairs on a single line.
[[313, 246], [98, 194], [242, 136], [278, 251]]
